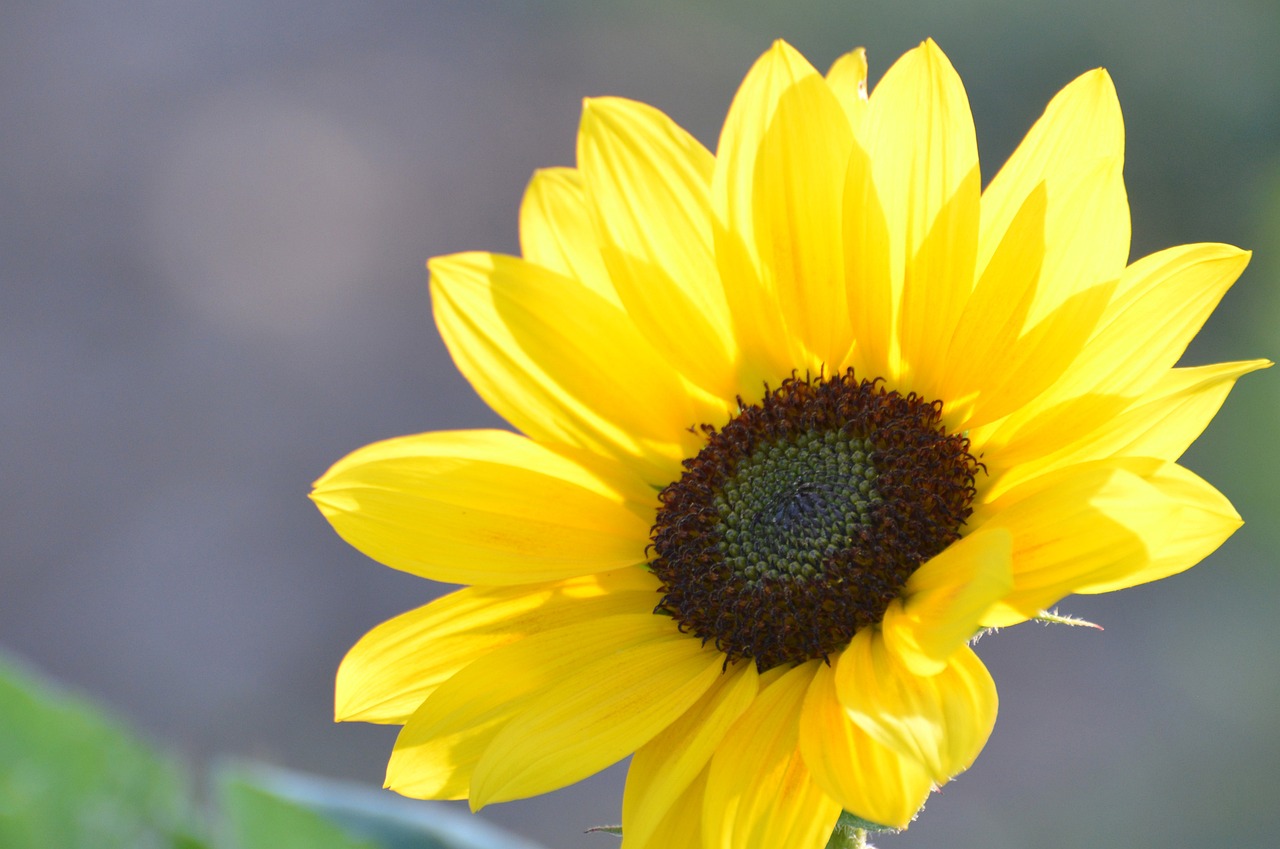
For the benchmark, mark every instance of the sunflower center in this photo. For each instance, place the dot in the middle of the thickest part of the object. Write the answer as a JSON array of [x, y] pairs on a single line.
[[802, 518]]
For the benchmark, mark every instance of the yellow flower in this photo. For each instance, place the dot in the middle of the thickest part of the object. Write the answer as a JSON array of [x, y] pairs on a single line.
[[799, 418]]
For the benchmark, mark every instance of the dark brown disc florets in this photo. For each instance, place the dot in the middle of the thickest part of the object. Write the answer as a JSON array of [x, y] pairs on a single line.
[[802, 518]]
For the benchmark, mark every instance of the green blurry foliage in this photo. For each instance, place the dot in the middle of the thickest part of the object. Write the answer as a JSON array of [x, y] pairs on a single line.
[[72, 778]]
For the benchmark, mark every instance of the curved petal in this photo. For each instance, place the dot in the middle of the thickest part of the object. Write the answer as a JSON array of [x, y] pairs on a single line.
[[1000, 357], [870, 295], [393, 668], [767, 353], [562, 364], [940, 721], [478, 507], [1162, 423], [759, 791], [946, 599], [866, 778], [848, 79], [1197, 520], [924, 153], [1161, 302], [595, 716], [556, 230], [797, 199], [663, 769], [681, 825], [439, 747], [1079, 140], [1101, 524], [648, 182]]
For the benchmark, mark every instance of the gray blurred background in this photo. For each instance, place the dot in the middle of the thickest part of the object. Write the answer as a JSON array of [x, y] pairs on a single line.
[[215, 218]]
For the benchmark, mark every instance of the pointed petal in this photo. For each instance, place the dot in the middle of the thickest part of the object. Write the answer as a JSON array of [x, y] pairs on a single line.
[[562, 364], [866, 778], [478, 507], [1162, 423], [393, 668], [648, 182], [1000, 359], [924, 152], [759, 791], [1161, 302], [556, 230], [766, 349], [1079, 139], [665, 767], [797, 198], [1197, 520], [946, 599], [681, 825], [941, 721], [870, 294], [595, 716], [1101, 524], [437, 752], [848, 79]]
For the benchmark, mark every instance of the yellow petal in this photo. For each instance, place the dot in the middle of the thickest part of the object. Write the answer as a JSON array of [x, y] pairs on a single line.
[[1075, 148], [556, 230], [1161, 302], [648, 182], [1099, 523], [797, 188], [478, 507], [941, 721], [393, 668], [848, 79], [1197, 519], [870, 295], [438, 749], [595, 716], [759, 791], [563, 364], [946, 598], [999, 359], [767, 351], [663, 769], [1162, 423], [681, 825], [866, 778], [924, 152]]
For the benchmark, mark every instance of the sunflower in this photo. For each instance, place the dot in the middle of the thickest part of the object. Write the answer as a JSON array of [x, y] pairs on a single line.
[[797, 419]]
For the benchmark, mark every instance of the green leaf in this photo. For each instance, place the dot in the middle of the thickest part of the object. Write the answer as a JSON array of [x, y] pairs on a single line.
[[256, 818], [379, 818], [71, 777]]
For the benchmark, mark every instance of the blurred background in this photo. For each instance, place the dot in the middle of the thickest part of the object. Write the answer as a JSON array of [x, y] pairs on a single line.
[[214, 225]]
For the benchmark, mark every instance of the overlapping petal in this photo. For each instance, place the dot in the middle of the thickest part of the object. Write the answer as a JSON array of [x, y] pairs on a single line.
[[865, 777], [664, 768], [924, 155], [759, 790], [660, 288], [946, 599], [479, 507], [1112, 522], [387, 674], [648, 183], [1159, 304], [940, 721], [563, 364], [556, 231], [594, 716], [438, 751]]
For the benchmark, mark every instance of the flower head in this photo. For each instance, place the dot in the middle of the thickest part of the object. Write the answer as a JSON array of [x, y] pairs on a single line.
[[798, 419]]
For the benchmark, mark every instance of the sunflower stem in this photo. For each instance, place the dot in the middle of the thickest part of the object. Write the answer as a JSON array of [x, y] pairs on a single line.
[[846, 837]]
